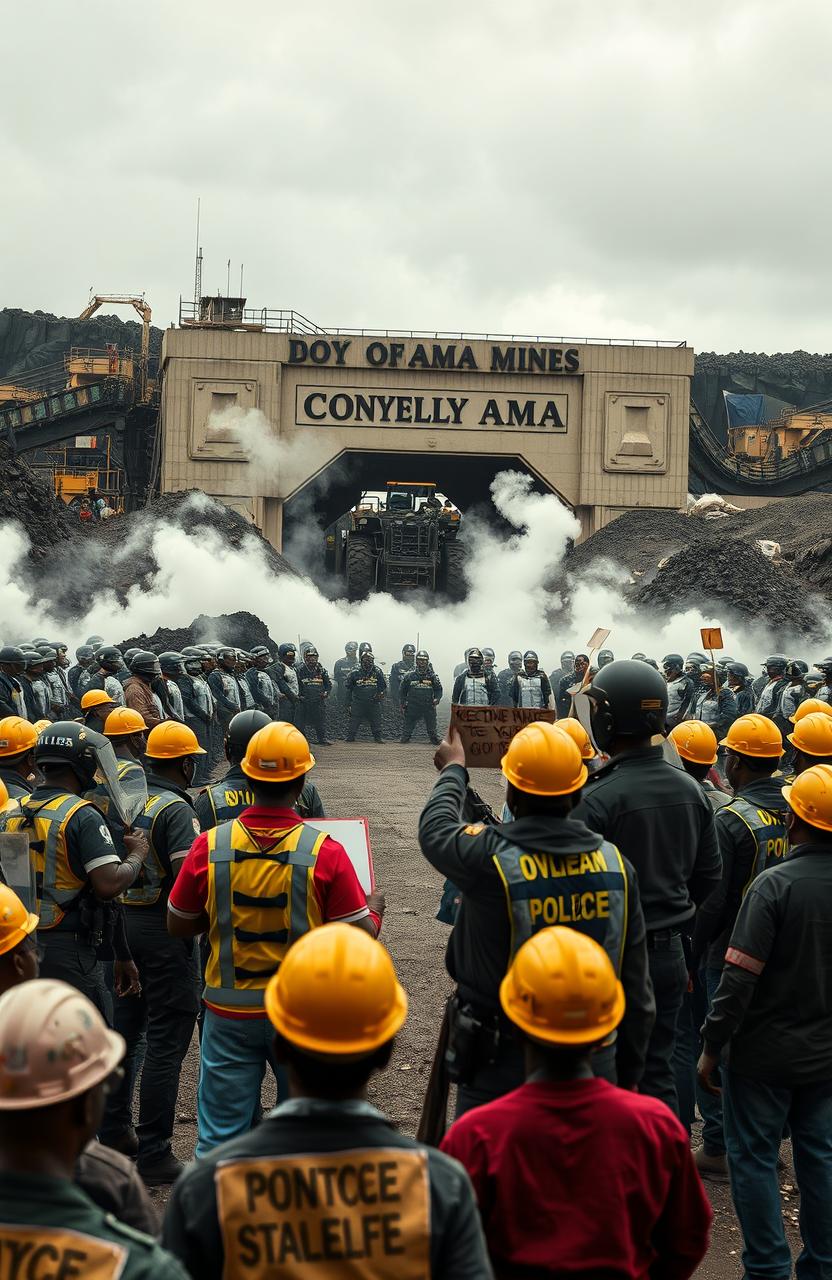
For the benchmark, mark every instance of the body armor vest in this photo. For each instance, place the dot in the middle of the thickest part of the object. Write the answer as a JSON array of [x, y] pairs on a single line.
[[768, 827]]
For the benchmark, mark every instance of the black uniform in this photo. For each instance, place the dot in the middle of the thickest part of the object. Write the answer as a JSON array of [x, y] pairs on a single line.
[[315, 687], [15, 784], [563, 699], [398, 671], [505, 678], [12, 702], [291, 1136], [418, 695], [661, 820], [752, 837], [167, 1007], [365, 693], [263, 690], [485, 933], [340, 671], [227, 799]]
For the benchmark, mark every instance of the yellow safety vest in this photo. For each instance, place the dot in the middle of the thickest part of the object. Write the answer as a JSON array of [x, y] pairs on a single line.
[[45, 822], [260, 901], [147, 888]]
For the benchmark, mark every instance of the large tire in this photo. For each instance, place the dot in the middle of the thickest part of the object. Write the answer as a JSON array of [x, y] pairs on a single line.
[[360, 568], [456, 587]]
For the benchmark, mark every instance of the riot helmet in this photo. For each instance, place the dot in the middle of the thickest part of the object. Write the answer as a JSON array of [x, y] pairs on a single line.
[[241, 729], [629, 700], [109, 658], [71, 744], [351, 648], [673, 664], [475, 661], [422, 660], [144, 663], [172, 663], [515, 661], [530, 662], [605, 657], [13, 658]]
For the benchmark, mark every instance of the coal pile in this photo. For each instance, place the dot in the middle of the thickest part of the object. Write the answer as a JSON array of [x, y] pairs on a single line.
[[242, 630], [27, 499], [738, 577], [122, 548]]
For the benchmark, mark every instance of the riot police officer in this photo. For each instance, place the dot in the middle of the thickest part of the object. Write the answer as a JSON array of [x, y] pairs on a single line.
[[285, 676], [314, 687], [769, 688], [342, 669], [228, 798], [78, 676], [172, 666], [263, 689], [226, 694], [505, 678], [73, 856], [109, 662], [420, 693], [739, 682], [476, 687], [661, 820], [531, 687], [679, 688], [400, 669], [366, 690], [140, 691], [542, 867], [12, 665], [563, 698], [198, 705], [165, 1011]]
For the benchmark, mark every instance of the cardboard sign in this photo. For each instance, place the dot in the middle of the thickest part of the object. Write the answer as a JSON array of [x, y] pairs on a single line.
[[365, 1213], [487, 731], [711, 637], [60, 1251], [354, 835], [597, 639]]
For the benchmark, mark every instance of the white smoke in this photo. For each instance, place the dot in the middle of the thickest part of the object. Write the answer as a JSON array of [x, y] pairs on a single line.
[[277, 464], [508, 606]]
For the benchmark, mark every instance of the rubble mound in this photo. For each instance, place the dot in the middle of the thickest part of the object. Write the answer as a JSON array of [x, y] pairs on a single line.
[[27, 499], [736, 574], [242, 630]]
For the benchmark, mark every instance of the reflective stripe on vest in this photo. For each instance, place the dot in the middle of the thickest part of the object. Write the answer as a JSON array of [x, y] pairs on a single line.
[[147, 888], [476, 693], [249, 886], [768, 827], [57, 884], [586, 891]]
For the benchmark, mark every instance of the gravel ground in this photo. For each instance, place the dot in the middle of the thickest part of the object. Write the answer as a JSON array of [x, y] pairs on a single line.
[[388, 785]]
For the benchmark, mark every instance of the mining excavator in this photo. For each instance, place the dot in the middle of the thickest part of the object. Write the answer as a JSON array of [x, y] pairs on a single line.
[[405, 541]]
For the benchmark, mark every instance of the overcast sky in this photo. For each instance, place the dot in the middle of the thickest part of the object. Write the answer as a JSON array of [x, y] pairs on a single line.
[[630, 168]]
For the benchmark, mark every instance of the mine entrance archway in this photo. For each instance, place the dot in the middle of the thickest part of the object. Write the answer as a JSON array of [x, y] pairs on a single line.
[[319, 504]]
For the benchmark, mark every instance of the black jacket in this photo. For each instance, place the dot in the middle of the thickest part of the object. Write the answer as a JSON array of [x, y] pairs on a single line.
[[8, 685], [716, 916], [662, 822], [366, 686], [479, 947], [417, 690], [773, 1007], [306, 1127]]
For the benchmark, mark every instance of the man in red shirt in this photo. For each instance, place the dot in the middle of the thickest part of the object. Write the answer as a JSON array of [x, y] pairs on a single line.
[[573, 1175], [254, 886]]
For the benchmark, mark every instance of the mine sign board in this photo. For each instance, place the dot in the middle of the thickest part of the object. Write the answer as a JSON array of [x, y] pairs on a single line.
[[487, 731]]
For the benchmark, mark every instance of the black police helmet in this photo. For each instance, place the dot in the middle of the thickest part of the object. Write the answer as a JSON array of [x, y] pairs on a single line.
[[629, 699], [673, 662], [68, 743], [145, 663], [109, 656], [738, 669], [408, 648], [241, 729], [777, 660], [12, 656], [171, 662]]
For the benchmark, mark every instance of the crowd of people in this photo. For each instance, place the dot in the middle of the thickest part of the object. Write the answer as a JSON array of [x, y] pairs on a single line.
[[640, 935]]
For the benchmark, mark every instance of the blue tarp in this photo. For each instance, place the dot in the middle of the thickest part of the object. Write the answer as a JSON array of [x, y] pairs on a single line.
[[749, 409]]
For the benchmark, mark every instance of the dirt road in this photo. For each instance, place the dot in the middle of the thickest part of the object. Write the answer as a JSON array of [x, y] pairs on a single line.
[[388, 784]]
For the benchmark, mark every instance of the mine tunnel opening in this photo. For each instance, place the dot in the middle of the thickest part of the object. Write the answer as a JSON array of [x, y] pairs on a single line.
[[317, 516]]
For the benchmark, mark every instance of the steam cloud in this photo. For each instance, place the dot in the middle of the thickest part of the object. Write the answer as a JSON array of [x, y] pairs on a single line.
[[509, 603]]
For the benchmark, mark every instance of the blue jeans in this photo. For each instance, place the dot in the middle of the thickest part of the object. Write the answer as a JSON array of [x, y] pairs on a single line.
[[755, 1115], [710, 1107], [233, 1057]]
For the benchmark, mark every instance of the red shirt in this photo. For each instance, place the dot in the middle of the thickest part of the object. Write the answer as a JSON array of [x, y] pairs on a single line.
[[584, 1179], [334, 880]]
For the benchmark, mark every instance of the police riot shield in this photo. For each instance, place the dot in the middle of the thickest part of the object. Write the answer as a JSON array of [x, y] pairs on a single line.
[[129, 794], [17, 869]]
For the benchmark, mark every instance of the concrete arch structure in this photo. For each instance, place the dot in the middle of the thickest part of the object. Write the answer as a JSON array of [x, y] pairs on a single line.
[[604, 426]]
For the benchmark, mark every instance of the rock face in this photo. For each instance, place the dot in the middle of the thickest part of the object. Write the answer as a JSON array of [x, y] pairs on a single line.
[[798, 377], [26, 498]]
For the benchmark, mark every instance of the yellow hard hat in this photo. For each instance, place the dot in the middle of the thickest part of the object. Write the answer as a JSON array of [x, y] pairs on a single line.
[[54, 1045], [813, 735], [16, 736], [123, 721], [542, 760], [171, 740], [16, 923], [754, 735], [561, 988], [336, 993], [808, 708], [40, 725], [95, 698], [695, 741], [579, 736], [810, 796], [277, 753]]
